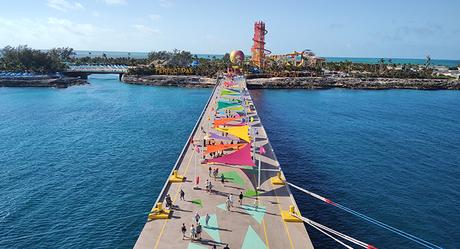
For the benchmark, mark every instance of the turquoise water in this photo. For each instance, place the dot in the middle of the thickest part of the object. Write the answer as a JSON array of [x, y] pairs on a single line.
[[392, 155], [80, 166], [89, 158]]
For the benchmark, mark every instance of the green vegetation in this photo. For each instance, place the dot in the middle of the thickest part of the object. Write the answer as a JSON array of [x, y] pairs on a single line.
[[107, 60], [180, 62], [25, 59], [382, 69]]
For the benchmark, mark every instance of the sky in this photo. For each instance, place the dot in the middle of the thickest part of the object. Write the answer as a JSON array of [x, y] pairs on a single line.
[[340, 28]]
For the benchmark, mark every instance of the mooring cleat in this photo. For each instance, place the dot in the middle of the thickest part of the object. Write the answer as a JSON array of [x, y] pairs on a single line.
[[158, 212], [288, 215], [175, 177], [277, 180]]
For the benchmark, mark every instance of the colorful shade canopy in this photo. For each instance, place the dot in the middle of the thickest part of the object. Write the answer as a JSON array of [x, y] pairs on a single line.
[[215, 136], [223, 105], [229, 92], [237, 131], [236, 108], [239, 157], [219, 147], [223, 121]]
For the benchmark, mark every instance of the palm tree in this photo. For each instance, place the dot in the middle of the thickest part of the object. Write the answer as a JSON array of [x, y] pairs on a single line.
[[428, 62]]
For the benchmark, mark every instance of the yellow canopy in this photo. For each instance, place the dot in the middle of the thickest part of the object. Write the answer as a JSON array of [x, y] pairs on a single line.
[[237, 131]]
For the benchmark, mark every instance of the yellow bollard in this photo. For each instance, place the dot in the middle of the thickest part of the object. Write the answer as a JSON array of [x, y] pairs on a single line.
[[158, 212], [277, 180], [175, 177], [288, 216], [160, 206]]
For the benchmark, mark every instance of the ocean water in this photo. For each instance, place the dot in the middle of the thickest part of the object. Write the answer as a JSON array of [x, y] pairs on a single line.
[[89, 159], [392, 155], [79, 167]]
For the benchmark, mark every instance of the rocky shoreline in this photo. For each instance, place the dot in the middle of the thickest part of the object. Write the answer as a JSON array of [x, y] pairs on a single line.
[[170, 80], [352, 83], [43, 82], [300, 82]]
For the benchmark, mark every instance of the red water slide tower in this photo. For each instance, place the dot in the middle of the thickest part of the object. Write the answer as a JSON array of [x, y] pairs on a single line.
[[258, 49]]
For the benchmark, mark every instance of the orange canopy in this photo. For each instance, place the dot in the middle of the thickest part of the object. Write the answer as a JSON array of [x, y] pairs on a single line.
[[219, 147], [223, 121]]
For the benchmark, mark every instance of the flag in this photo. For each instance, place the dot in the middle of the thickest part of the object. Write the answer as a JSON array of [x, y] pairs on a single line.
[[262, 150]]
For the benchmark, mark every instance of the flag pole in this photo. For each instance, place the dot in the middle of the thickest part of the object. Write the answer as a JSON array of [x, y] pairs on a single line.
[[258, 175]]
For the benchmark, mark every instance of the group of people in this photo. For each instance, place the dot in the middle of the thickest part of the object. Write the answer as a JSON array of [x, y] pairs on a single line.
[[208, 186], [196, 228]]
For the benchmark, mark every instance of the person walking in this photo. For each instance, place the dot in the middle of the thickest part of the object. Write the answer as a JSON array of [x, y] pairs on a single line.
[[197, 217], [227, 204], [241, 198], [222, 178], [198, 231], [230, 198], [183, 230], [182, 194], [207, 218], [192, 232], [210, 170], [256, 203], [215, 174], [210, 187]]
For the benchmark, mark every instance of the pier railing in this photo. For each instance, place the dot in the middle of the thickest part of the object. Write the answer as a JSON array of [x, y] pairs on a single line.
[[187, 144]]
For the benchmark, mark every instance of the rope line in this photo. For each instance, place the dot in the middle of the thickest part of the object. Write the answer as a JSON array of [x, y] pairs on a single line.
[[332, 237], [329, 231], [369, 219]]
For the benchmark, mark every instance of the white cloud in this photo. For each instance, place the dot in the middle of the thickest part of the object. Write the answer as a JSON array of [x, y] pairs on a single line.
[[64, 5], [115, 2], [154, 17], [146, 30], [95, 13], [44, 33], [166, 3], [48, 32]]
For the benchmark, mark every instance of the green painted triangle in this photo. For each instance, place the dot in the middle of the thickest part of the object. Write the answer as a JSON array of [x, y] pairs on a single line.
[[250, 193], [257, 214], [252, 240], [212, 229], [198, 202], [234, 177], [195, 246]]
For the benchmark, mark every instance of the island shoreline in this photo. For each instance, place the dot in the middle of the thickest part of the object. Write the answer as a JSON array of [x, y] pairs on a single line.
[[299, 82]]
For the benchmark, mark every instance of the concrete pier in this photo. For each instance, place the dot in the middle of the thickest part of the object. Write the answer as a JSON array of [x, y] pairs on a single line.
[[244, 226]]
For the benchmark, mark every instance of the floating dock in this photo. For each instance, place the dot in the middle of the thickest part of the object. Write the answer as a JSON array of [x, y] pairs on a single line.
[[256, 224]]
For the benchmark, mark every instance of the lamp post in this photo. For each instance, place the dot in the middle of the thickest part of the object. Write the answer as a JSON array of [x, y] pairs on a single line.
[[261, 152]]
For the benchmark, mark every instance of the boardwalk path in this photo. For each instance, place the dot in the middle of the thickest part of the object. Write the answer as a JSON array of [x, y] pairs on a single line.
[[243, 226]]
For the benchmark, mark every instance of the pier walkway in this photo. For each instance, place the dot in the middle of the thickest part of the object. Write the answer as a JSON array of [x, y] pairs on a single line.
[[244, 226]]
